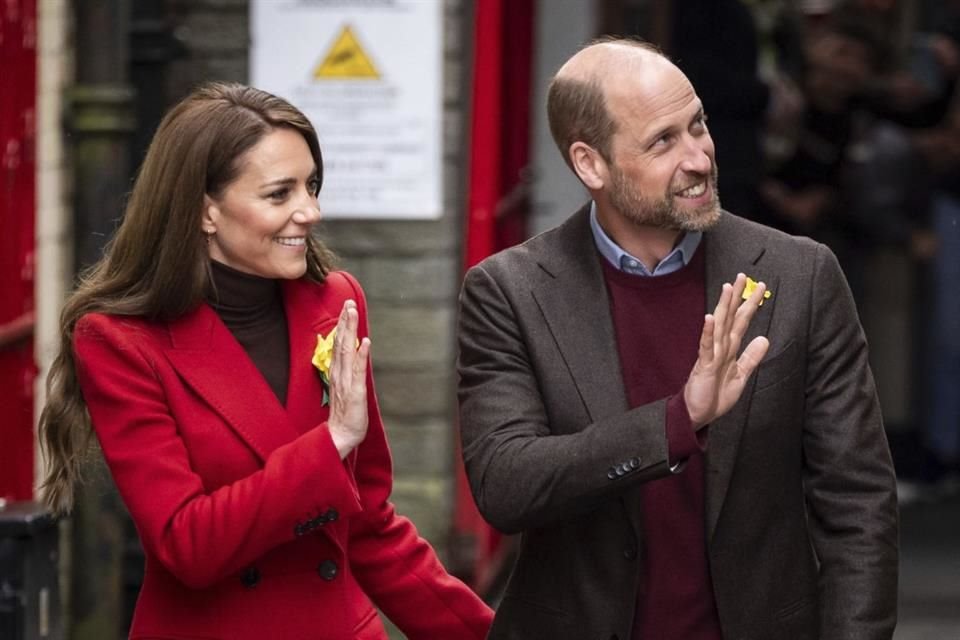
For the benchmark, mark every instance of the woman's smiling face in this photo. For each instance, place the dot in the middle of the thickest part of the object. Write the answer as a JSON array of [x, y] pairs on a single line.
[[259, 223]]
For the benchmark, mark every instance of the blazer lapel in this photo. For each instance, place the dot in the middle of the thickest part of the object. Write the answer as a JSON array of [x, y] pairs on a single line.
[[215, 366], [576, 308], [732, 247]]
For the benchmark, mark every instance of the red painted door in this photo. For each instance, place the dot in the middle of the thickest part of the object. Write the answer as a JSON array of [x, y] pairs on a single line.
[[18, 88]]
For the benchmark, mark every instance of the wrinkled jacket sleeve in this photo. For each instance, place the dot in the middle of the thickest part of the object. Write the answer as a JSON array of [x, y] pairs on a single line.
[[849, 479], [525, 469]]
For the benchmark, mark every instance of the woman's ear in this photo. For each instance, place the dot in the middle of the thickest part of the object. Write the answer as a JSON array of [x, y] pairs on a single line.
[[589, 165], [211, 213]]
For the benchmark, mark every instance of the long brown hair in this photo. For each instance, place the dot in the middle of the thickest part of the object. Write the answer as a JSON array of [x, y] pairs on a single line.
[[157, 264]]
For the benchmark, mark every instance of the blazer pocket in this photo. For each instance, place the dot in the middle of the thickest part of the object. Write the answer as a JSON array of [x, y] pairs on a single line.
[[779, 367], [795, 607], [798, 620], [519, 618]]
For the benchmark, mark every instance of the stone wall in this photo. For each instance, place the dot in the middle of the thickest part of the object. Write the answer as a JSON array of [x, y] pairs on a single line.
[[214, 38]]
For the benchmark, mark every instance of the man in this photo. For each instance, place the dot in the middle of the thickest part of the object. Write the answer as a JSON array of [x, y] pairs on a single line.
[[661, 488]]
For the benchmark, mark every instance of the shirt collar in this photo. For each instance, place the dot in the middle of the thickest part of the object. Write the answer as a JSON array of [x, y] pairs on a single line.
[[681, 255]]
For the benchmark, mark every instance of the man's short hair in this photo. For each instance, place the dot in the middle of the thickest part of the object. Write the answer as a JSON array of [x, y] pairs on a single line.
[[577, 109]]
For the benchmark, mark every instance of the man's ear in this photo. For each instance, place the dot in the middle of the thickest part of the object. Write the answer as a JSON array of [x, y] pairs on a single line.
[[211, 213], [589, 165]]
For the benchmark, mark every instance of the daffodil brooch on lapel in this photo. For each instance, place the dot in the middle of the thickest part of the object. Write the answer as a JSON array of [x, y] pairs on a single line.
[[322, 356], [750, 286]]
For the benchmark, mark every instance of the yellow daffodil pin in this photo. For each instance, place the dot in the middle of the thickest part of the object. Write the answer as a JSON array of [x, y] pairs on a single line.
[[750, 286], [322, 357]]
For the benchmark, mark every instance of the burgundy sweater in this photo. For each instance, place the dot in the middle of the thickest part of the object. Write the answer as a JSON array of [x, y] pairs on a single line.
[[657, 321]]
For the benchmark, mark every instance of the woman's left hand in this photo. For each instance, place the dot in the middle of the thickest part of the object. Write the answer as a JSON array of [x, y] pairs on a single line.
[[348, 383]]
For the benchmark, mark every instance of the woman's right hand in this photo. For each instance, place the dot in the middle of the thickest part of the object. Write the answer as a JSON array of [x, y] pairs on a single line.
[[348, 383]]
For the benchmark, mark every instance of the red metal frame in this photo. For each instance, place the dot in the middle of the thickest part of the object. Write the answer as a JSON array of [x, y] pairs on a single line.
[[18, 75]]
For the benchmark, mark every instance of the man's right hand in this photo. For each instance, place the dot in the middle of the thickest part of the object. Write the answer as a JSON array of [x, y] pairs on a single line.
[[718, 376]]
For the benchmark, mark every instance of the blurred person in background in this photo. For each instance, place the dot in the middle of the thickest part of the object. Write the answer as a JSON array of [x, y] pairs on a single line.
[[940, 437], [223, 364], [939, 317], [802, 190], [812, 187], [920, 99], [715, 44]]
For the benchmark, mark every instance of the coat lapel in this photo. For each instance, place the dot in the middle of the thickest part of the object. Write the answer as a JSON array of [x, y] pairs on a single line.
[[305, 391], [576, 308], [211, 361], [732, 247], [215, 366]]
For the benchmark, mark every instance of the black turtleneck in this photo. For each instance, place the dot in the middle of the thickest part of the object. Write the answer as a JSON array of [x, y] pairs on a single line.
[[252, 309]]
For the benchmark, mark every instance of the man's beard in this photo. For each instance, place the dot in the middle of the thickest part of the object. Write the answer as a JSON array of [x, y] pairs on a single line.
[[662, 213]]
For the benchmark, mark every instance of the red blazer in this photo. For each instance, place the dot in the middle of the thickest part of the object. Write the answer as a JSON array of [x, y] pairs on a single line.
[[251, 524]]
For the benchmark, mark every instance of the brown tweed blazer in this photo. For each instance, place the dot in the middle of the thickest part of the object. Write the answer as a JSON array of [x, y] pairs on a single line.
[[801, 516]]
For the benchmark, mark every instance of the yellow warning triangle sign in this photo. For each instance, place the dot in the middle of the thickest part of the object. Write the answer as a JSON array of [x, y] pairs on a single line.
[[346, 59]]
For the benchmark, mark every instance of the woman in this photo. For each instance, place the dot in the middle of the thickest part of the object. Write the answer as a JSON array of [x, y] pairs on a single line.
[[258, 482]]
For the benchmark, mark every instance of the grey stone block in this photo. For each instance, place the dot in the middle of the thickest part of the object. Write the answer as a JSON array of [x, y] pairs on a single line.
[[217, 32], [421, 446], [454, 37], [454, 136], [410, 280], [356, 266], [453, 83], [199, 5], [454, 193], [186, 74], [411, 337], [418, 392], [396, 238], [426, 501]]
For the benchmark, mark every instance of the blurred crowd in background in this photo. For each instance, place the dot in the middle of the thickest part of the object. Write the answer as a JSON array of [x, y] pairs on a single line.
[[840, 120]]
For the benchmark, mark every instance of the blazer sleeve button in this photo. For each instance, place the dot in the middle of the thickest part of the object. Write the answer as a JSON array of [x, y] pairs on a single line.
[[300, 529], [612, 474], [250, 577], [634, 463], [331, 515], [327, 570]]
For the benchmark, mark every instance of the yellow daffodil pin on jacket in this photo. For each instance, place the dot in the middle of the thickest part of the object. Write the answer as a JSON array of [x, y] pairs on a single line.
[[750, 286], [322, 357]]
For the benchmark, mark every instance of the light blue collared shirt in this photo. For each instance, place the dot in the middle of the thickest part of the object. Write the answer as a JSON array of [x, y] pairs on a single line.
[[681, 255]]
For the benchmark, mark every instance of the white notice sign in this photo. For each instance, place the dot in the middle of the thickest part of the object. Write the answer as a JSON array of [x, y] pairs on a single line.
[[368, 75]]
